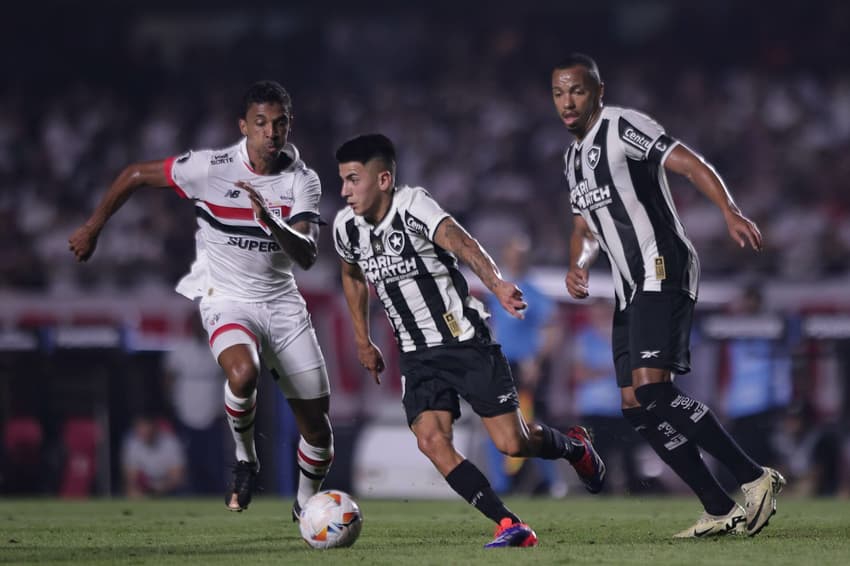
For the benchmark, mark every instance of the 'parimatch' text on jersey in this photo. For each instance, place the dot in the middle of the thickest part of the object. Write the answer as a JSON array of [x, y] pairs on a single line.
[[618, 185], [425, 296], [236, 258]]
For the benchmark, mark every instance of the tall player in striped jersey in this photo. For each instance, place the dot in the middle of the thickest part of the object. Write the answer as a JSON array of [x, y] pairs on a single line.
[[405, 245], [616, 171], [257, 206]]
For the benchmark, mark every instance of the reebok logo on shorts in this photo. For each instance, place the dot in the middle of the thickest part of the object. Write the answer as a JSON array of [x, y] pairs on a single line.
[[647, 354], [506, 397]]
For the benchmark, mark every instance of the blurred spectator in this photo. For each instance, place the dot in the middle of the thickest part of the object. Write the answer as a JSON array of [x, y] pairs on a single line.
[[152, 459], [195, 383], [597, 400], [473, 142], [528, 345], [757, 380], [811, 453]]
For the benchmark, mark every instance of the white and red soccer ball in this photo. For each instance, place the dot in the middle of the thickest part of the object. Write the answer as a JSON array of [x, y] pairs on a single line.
[[330, 519]]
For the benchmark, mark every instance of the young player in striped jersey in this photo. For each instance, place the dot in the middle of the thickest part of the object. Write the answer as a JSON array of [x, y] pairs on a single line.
[[257, 205], [399, 239], [616, 171]]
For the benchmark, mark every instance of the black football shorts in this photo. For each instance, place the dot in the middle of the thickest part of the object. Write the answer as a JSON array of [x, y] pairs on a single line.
[[654, 331], [435, 378]]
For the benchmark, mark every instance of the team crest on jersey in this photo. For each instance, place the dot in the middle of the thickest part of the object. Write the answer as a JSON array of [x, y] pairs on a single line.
[[395, 241], [593, 156]]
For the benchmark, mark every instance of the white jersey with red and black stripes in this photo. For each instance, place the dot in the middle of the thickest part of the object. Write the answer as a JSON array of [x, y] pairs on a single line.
[[236, 258]]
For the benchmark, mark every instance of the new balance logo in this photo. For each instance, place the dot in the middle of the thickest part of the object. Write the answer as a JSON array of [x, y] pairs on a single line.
[[647, 354], [232, 193]]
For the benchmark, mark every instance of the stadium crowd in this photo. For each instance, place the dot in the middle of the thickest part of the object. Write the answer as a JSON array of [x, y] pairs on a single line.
[[473, 114]]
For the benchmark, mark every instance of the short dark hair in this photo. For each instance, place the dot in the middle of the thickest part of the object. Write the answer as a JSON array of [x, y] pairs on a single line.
[[365, 148], [586, 61], [266, 91]]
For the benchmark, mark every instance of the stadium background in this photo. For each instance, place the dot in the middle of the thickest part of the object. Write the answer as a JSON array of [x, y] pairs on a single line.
[[761, 89]]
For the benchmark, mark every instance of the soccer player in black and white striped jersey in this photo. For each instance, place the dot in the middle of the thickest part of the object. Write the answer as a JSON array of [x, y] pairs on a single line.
[[399, 239], [616, 171]]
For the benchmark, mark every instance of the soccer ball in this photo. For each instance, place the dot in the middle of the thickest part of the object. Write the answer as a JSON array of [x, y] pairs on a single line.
[[330, 519]]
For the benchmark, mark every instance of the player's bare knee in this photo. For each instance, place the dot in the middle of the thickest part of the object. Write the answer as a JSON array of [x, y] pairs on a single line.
[[628, 399], [242, 377], [433, 444]]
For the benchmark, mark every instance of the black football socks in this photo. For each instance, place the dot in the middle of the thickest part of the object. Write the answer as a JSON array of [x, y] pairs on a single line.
[[698, 423], [468, 481], [555, 445], [683, 457]]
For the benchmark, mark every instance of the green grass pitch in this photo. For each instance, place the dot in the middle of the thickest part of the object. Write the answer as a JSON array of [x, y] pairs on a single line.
[[575, 530]]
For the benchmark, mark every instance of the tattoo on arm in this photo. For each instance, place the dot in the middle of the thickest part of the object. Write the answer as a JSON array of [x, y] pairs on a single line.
[[468, 249]]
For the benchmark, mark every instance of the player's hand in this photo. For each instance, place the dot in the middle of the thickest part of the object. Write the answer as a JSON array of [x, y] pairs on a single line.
[[576, 282], [510, 297], [372, 359], [83, 242], [261, 211], [743, 230]]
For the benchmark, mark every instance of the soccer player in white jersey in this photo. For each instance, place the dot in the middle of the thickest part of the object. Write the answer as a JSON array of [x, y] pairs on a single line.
[[616, 171], [257, 205], [402, 241]]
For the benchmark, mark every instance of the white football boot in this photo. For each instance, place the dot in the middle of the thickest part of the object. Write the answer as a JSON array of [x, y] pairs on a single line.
[[733, 522], [761, 499]]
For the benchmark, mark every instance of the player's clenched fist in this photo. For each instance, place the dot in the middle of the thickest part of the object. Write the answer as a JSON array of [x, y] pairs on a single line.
[[576, 282], [83, 242]]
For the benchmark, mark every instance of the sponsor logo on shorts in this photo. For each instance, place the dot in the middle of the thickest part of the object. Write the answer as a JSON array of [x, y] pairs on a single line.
[[649, 354], [506, 397]]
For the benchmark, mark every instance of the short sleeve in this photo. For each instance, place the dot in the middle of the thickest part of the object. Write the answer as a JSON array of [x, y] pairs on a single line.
[[342, 243], [308, 192], [423, 214], [643, 138], [188, 173]]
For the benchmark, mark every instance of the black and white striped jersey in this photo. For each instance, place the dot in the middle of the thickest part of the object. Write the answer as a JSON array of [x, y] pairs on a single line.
[[618, 185], [425, 296]]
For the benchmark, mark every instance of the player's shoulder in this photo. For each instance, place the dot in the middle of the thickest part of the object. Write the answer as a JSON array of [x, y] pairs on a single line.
[[630, 115], [222, 156], [405, 195], [299, 167]]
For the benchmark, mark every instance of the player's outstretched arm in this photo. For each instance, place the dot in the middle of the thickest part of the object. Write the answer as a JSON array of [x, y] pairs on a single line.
[[451, 236], [298, 240], [151, 174], [684, 161], [356, 291], [583, 250]]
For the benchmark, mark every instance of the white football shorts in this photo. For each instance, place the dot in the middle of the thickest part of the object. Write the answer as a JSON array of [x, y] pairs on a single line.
[[280, 331]]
